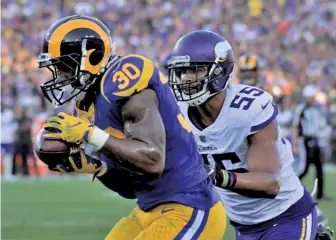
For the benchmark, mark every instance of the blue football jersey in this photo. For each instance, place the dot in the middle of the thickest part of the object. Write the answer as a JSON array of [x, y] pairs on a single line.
[[184, 179]]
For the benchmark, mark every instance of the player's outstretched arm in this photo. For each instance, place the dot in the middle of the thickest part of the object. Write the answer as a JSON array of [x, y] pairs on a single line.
[[144, 149], [264, 165]]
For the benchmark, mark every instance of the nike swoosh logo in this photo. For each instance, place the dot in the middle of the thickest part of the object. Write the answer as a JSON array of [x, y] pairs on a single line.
[[264, 106], [76, 124], [166, 210]]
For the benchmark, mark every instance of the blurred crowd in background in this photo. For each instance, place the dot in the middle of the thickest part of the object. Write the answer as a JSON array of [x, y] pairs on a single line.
[[295, 40]]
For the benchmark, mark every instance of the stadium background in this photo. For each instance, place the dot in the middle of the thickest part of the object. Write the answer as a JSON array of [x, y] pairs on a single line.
[[295, 39]]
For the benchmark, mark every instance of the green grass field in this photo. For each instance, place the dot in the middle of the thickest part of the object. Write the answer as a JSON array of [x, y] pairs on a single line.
[[78, 209]]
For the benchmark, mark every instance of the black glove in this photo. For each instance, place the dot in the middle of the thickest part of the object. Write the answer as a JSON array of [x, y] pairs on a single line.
[[324, 233], [211, 173]]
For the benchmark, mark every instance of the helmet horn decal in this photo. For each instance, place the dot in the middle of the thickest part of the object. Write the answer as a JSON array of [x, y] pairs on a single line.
[[54, 47], [221, 51]]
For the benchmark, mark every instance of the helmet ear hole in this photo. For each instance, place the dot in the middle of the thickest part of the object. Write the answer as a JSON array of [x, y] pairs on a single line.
[[96, 57], [98, 54]]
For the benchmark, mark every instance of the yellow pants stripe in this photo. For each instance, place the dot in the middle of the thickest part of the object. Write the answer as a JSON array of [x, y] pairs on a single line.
[[303, 229], [194, 226]]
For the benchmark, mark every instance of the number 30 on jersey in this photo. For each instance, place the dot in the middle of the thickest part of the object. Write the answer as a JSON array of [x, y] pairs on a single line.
[[128, 72]]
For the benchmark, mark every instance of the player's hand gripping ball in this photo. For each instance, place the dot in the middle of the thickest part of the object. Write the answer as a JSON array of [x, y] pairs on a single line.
[[68, 128], [53, 151]]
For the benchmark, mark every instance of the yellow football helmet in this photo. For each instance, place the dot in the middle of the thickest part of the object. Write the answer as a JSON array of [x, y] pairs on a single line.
[[248, 69], [79, 46]]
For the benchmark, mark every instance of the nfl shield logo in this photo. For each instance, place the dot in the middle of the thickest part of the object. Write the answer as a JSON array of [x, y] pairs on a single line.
[[202, 138]]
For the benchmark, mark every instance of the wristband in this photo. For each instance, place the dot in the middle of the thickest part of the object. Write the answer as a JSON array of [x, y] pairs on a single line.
[[226, 179], [98, 138], [232, 180]]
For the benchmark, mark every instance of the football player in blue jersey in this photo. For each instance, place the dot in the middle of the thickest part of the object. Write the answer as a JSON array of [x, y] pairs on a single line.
[[237, 134], [126, 111]]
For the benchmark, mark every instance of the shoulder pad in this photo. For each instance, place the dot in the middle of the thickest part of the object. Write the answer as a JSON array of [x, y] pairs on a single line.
[[129, 75], [254, 106]]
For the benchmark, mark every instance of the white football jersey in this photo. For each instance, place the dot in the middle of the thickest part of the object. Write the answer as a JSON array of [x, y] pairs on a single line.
[[245, 111]]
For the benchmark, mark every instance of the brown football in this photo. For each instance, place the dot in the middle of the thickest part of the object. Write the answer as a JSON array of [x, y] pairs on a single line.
[[54, 151]]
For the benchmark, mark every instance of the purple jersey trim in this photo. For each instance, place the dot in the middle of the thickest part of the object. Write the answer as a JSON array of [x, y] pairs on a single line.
[[268, 121]]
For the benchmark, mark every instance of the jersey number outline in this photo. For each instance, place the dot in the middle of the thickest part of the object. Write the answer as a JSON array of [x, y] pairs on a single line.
[[238, 100], [128, 72], [220, 157]]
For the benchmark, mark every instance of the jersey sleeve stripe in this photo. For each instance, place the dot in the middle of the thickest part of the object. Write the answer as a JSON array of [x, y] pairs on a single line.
[[268, 121], [163, 78], [115, 133]]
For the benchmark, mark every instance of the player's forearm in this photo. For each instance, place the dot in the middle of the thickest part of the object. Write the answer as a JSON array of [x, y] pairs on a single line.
[[133, 155], [265, 185], [251, 184]]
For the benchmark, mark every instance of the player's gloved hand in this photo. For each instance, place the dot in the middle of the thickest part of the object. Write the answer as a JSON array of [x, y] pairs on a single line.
[[68, 128], [222, 178], [211, 173], [324, 233], [80, 163]]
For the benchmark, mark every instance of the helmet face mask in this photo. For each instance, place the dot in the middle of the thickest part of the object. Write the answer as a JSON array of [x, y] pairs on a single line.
[[207, 59], [68, 79], [196, 87], [75, 50]]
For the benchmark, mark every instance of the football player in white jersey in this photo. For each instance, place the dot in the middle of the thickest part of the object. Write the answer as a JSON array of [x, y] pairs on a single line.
[[250, 72], [237, 133]]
